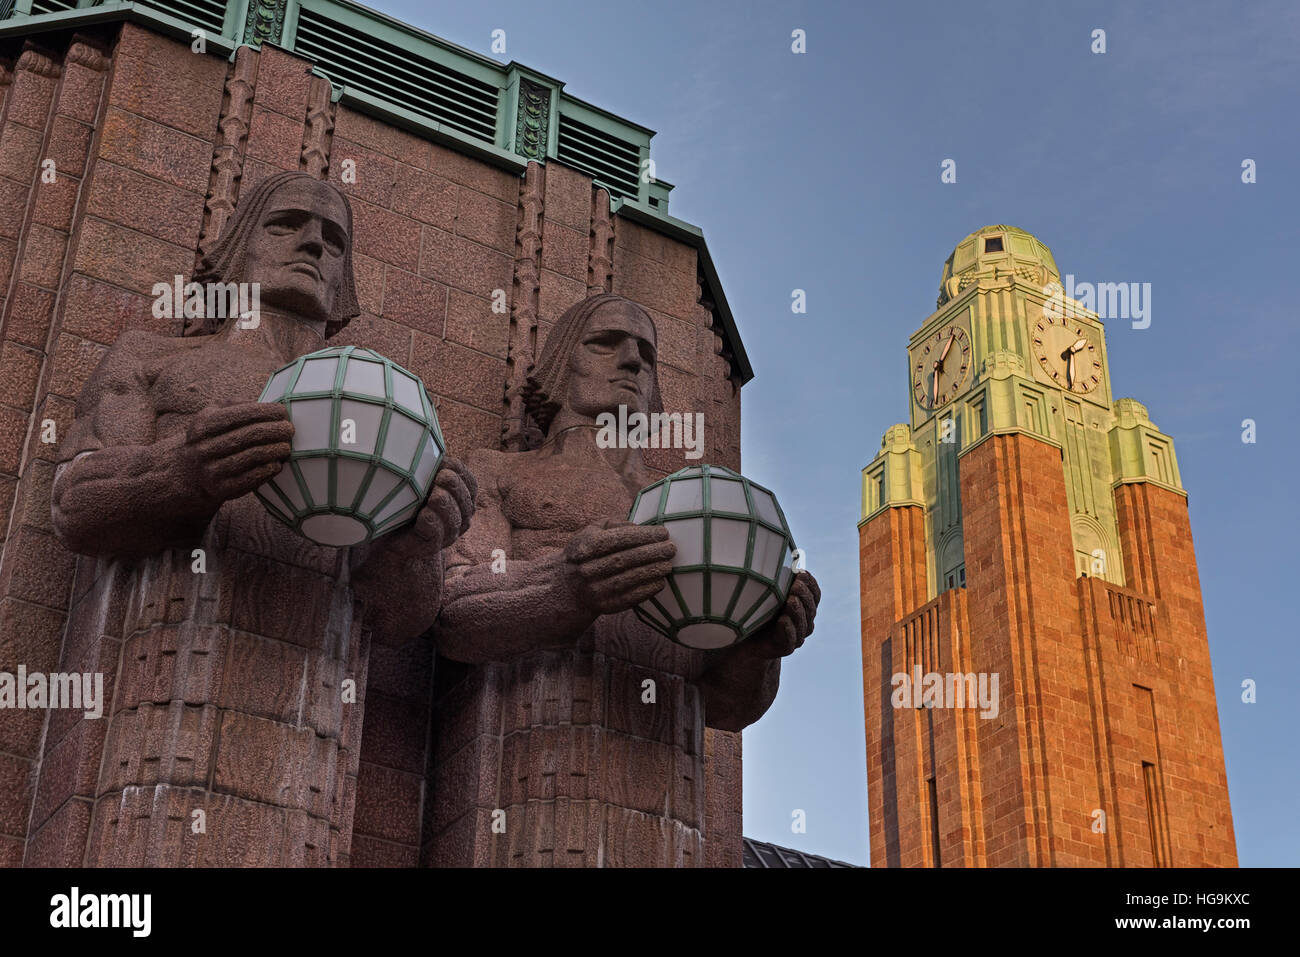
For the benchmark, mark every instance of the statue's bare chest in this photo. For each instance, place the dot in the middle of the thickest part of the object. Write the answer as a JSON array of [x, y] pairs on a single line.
[[562, 499], [190, 379]]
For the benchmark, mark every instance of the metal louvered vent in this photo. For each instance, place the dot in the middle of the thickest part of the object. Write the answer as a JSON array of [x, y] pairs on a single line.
[[52, 6], [614, 163], [383, 70], [208, 14]]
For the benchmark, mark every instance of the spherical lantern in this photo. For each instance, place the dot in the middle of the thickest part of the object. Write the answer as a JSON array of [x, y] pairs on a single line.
[[733, 567], [366, 446]]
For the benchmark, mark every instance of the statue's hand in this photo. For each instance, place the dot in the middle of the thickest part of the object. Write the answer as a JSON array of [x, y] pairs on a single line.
[[230, 450], [446, 513], [793, 624], [614, 568]]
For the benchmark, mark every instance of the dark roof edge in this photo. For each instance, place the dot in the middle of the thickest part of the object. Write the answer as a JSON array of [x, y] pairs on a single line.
[[782, 851], [694, 236]]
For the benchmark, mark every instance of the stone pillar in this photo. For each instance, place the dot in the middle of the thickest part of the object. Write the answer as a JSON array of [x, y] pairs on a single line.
[[51, 113], [558, 750], [231, 741]]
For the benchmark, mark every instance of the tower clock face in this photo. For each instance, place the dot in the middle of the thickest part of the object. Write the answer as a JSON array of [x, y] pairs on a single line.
[[941, 367], [1068, 354]]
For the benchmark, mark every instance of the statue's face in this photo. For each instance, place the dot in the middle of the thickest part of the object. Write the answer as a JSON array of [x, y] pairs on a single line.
[[296, 252], [613, 363]]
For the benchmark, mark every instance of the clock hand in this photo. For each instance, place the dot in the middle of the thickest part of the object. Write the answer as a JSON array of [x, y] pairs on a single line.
[[1079, 344], [934, 384], [943, 355], [1069, 370]]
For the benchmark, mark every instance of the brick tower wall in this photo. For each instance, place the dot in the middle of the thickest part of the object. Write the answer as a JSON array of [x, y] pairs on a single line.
[[891, 553], [1024, 625], [1106, 750], [152, 145], [1174, 686]]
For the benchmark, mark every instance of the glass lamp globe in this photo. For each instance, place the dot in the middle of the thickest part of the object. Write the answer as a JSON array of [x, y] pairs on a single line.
[[734, 561], [366, 446]]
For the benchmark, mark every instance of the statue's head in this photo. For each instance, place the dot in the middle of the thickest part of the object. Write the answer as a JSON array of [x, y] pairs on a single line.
[[600, 355], [292, 235]]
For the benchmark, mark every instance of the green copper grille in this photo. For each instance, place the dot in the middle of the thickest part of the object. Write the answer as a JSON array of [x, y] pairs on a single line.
[[208, 14], [612, 162], [422, 84]]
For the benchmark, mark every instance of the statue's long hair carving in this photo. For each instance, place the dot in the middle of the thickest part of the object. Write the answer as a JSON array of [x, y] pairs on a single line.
[[547, 382], [224, 262]]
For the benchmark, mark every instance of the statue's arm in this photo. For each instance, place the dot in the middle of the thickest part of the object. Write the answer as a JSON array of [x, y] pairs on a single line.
[[496, 606], [115, 490], [739, 688], [122, 489], [400, 576], [741, 683]]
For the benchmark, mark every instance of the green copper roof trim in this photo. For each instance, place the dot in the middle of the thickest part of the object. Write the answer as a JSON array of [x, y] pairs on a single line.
[[422, 126], [396, 60], [20, 23]]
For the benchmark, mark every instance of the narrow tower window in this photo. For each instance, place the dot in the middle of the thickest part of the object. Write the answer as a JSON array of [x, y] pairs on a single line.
[[934, 820], [1157, 826], [993, 245]]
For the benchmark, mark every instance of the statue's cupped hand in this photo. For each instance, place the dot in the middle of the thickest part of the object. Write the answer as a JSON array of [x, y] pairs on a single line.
[[230, 450], [788, 630], [616, 567]]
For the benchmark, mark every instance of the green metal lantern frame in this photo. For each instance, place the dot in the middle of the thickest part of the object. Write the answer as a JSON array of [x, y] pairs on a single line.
[[293, 515], [777, 587]]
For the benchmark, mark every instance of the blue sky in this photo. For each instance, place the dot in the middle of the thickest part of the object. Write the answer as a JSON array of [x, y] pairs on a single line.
[[821, 172]]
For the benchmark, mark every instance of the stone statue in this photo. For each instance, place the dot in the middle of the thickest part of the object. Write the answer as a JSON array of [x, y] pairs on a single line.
[[262, 624], [539, 593]]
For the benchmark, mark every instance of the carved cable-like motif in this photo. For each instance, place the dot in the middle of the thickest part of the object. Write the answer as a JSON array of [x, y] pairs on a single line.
[[319, 131], [228, 156], [521, 348]]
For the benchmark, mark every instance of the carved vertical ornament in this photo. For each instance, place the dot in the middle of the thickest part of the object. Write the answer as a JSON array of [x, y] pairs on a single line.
[[600, 252], [533, 122], [228, 155], [265, 21], [319, 131], [521, 346]]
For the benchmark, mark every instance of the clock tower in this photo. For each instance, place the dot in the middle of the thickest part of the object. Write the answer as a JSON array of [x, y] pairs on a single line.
[[1035, 662]]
